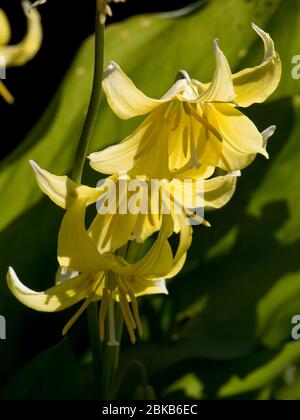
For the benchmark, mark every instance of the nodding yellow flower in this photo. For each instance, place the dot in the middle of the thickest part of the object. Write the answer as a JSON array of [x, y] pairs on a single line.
[[112, 229], [195, 127], [19, 54], [89, 275]]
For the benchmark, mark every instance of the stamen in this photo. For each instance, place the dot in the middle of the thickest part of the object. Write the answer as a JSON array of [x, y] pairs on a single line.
[[102, 314], [194, 157], [127, 316], [136, 312], [6, 94], [78, 314]]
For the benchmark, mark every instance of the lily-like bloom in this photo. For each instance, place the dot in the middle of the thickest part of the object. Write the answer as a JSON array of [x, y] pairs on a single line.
[[89, 275], [195, 127], [112, 229], [19, 54]]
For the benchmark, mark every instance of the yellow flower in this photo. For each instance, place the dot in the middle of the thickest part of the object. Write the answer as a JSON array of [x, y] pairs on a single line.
[[19, 54], [116, 227], [195, 127], [90, 274]]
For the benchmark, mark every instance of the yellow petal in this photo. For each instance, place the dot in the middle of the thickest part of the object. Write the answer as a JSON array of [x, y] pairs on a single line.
[[221, 88], [20, 54], [141, 287], [132, 155], [55, 299], [112, 231], [255, 85], [158, 261], [122, 157], [186, 236], [126, 100], [219, 190], [76, 250], [5, 31], [62, 190], [241, 139]]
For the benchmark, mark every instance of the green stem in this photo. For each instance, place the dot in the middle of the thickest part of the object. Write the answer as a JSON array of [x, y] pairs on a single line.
[[111, 354], [95, 346], [81, 153], [111, 357], [89, 125]]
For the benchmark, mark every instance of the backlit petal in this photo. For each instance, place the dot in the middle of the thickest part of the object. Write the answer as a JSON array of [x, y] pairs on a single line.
[[5, 31], [76, 250], [62, 190], [241, 139], [124, 98], [20, 54], [221, 88], [55, 299], [256, 84]]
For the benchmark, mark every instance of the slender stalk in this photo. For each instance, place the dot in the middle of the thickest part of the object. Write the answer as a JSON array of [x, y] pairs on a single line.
[[95, 346], [94, 105], [111, 354], [81, 153]]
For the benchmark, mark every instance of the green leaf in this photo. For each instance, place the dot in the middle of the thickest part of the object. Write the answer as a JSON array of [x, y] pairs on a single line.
[[263, 375], [52, 375]]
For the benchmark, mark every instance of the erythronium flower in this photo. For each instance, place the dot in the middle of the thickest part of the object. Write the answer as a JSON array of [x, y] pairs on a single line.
[[114, 228], [19, 54], [195, 127], [91, 275]]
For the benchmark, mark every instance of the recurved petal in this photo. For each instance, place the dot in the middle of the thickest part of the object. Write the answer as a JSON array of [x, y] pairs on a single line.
[[241, 139], [62, 190], [55, 299], [124, 98], [140, 286], [186, 236], [256, 84], [221, 88], [219, 190], [20, 54], [5, 31], [76, 250]]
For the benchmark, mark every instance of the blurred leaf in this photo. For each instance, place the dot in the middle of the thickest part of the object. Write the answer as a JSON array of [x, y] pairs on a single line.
[[264, 374], [52, 375]]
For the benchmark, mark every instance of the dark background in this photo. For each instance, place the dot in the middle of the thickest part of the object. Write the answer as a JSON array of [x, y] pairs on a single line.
[[66, 24]]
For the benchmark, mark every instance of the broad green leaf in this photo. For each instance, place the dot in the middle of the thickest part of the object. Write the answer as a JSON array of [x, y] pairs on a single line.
[[264, 374], [52, 375]]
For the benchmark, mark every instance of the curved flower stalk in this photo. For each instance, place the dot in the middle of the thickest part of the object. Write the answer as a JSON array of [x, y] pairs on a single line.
[[19, 54], [90, 275], [195, 127]]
